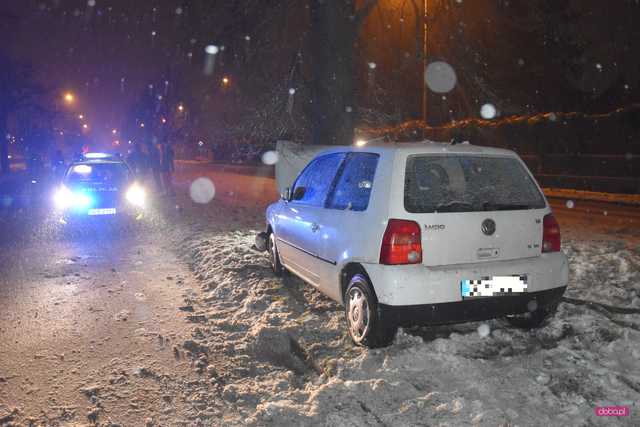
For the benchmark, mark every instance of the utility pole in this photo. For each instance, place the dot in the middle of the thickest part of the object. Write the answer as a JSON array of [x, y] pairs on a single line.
[[424, 62]]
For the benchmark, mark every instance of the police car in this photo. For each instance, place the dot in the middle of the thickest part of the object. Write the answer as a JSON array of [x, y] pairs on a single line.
[[99, 185]]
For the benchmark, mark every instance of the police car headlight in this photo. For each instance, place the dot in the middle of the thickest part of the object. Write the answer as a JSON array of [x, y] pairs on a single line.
[[136, 195], [63, 197]]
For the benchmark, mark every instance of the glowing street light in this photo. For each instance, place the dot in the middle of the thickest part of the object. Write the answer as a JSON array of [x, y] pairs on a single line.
[[81, 116], [69, 98], [85, 126], [114, 131], [361, 142], [163, 120], [142, 124], [180, 108], [225, 80]]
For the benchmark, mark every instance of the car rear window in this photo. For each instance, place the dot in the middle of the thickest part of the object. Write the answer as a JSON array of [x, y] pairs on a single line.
[[108, 173], [463, 183]]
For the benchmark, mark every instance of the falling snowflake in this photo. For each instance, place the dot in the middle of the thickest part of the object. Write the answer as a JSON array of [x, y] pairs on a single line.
[[270, 157], [440, 77], [570, 204], [484, 330], [488, 111], [202, 190]]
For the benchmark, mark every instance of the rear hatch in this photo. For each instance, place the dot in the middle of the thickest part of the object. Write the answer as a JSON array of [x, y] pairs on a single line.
[[473, 208]]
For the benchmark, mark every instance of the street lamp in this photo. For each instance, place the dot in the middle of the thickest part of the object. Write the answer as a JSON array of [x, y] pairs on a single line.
[[81, 116], [114, 131], [225, 80], [69, 98], [180, 108], [424, 60]]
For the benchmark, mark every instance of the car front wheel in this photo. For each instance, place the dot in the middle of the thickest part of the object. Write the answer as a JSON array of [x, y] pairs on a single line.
[[365, 323]]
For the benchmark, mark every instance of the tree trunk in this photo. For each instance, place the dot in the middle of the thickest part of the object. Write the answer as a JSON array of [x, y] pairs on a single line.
[[334, 27], [4, 147]]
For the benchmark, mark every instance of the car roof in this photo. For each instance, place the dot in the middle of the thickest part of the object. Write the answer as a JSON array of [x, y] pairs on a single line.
[[419, 147]]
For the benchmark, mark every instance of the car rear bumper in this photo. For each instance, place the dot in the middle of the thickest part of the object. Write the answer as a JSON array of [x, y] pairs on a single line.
[[470, 309], [406, 285]]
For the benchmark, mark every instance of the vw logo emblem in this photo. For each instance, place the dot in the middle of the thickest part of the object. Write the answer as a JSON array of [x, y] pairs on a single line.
[[488, 227]]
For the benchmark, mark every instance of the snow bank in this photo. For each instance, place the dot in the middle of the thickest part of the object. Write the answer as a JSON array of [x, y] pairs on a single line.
[[284, 357]]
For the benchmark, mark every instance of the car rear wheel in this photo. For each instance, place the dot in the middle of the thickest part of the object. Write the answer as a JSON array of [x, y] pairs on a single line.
[[364, 320], [274, 256]]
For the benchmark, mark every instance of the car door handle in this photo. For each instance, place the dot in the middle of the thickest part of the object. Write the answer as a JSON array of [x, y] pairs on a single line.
[[314, 227]]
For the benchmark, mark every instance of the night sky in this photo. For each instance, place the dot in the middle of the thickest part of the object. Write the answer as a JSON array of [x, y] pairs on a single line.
[[106, 52]]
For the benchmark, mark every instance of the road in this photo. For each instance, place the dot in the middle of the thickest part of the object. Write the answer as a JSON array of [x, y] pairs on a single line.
[[88, 328], [94, 324]]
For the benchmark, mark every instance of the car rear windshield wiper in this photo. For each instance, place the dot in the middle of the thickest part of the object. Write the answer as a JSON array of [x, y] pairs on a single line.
[[487, 206]]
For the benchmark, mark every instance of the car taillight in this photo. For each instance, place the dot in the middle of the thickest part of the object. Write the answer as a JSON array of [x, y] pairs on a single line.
[[550, 234], [401, 243]]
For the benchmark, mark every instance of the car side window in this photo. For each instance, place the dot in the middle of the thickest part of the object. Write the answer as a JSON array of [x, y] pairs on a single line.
[[314, 182], [353, 188]]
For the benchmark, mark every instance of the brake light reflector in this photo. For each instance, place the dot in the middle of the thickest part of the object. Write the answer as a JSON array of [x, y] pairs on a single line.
[[550, 234], [401, 243]]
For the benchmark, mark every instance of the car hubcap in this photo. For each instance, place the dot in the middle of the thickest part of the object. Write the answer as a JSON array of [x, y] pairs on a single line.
[[358, 314]]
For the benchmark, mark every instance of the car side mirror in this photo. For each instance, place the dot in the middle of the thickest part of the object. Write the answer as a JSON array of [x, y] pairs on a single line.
[[286, 194], [298, 193]]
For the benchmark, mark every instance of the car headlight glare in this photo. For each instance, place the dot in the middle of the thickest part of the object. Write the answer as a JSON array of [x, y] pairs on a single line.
[[63, 197], [136, 195]]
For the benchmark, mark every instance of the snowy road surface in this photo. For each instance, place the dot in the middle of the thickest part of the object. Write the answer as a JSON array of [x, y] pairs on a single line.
[[182, 323]]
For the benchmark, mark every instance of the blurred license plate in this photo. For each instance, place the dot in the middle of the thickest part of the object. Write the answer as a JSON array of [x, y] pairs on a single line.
[[494, 286], [106, 211]]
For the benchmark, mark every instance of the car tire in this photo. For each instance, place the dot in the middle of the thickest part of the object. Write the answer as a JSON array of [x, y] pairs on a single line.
[[274, 256], [532, 320], [365, 323]]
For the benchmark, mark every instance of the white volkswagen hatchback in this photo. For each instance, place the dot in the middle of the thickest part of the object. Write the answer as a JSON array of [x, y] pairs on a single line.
[[420, 233]]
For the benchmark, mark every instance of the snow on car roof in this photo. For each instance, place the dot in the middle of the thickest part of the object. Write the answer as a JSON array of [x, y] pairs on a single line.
[[420, 147]]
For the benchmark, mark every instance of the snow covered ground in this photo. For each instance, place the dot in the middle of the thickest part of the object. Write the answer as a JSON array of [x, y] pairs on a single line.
[[282, 355], [227, 343]]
